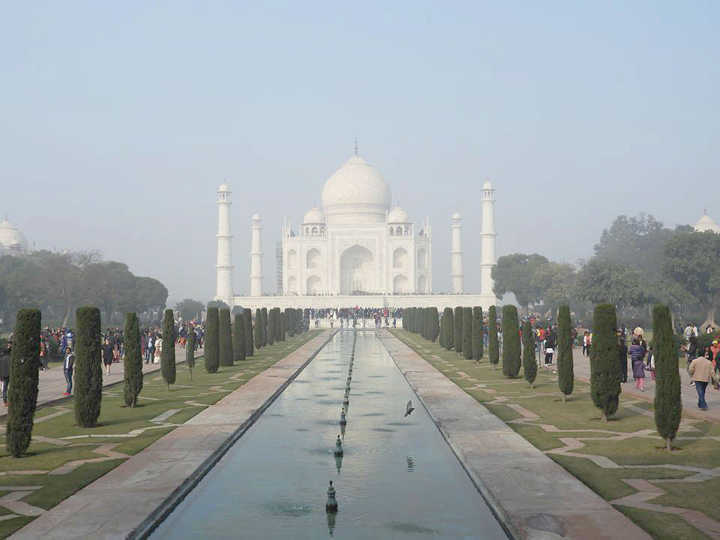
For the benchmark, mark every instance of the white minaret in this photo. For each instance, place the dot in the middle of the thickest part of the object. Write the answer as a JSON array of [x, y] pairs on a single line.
[[456, 255], [224, 266], [487, 235], [256, 274]]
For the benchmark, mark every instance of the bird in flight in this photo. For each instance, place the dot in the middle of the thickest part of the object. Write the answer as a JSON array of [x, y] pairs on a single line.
[[409, 408]]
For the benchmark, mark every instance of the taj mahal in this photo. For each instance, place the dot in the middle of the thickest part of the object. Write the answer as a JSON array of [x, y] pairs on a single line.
[[355, 250]]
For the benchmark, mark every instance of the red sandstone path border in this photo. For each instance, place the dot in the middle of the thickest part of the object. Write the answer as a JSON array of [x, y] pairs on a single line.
[[119, 502]]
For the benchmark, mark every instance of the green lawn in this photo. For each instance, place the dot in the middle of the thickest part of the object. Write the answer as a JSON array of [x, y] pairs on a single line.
[[629, 439], [128, 430]]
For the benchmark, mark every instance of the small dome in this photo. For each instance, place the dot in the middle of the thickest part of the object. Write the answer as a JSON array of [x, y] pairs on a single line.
[[356, 193], [706, 223], [11, 237], [398, 215], [487, 185], [256, 217], [315, 215], [456, 216], [224, 187]]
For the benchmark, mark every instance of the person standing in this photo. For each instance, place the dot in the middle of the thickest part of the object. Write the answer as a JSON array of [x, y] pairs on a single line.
[[622, 356], [68, 367], [5, 372], [637, 354], [107, 355], [701, 370]]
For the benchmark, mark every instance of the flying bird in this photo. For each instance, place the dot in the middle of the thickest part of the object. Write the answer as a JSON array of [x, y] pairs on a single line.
[[409, 408]]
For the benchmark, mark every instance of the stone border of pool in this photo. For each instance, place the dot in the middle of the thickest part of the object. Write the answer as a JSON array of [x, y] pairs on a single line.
[[134, 498], [530, 494]]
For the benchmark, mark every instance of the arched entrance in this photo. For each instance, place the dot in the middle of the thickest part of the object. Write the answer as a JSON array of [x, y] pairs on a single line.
[[357, 274], [400, 285]]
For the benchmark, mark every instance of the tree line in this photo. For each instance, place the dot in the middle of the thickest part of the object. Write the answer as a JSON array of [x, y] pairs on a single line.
[[636, 263], [57, 283]]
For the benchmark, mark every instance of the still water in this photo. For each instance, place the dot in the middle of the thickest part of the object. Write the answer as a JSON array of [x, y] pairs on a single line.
[[397, 479]]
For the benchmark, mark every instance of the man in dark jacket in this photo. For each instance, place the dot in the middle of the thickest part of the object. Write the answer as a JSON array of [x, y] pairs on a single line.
[[5, 372], [68, 368], [622, 356]]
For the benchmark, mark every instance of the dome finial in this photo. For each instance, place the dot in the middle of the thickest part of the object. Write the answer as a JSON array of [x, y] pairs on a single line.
[[356, 146]]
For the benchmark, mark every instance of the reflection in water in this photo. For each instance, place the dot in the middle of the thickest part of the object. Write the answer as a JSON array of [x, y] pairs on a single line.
[[338, 462], [410, 464], [331, 517]]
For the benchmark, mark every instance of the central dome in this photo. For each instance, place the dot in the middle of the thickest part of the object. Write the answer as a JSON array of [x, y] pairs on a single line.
[[356, 193]]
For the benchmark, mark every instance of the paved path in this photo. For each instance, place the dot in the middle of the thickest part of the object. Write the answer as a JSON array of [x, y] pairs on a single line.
[[689, 395], [120, 502], [533, 495], [52, 381]]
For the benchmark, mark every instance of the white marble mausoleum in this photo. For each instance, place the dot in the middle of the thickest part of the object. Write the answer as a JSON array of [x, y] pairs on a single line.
[[355, 250]]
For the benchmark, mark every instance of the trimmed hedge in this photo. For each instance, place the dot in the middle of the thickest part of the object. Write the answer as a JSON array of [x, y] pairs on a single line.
[[458, 329], [511, 342], [88, 367], [226, 348], [249, 341], [493, 344], [167, 355], [212, 340], [467, 328], [604, 372], [668, 404], [238, 336], [566, 375], [132, 363], [23, 390], [528, 354], [477, 333]]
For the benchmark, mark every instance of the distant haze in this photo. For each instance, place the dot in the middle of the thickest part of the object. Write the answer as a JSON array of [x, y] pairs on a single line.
[[120, 120]]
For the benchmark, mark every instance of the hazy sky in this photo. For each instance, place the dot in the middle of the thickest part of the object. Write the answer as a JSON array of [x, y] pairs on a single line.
[[120, 119]]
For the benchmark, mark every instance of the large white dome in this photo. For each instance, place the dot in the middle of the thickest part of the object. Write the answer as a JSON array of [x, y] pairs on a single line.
[[356, 193], [706, 223], [11, 237]]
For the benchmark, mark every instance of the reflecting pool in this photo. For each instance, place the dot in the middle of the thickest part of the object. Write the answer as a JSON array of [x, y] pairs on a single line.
[[398, 478]]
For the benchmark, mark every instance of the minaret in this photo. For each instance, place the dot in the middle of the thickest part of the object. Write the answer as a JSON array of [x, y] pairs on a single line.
[[256, 274], [487, 235], [456, 255], [224, 266]]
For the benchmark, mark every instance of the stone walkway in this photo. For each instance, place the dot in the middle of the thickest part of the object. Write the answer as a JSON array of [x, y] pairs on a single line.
[[534, 496], [689, 395], [146, 484], [52, 381]]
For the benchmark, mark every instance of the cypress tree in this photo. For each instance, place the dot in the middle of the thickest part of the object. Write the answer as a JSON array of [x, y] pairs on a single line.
[[528, 354], [238, 345], [226, 349], [283, 325], [427, 322], [288, 323], [263, 326], [477, 333], [458, 322], [190, 350], [604, 372], [270, 327], [212, 340], [258, 329], [443, 329], [449, 317], [566, 376], [467, 328], [167, 356], [132, 363], [88, 368], [249, 342], [23, 390], [493, 345], [668, 405], [511, 342], [434, 324]]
